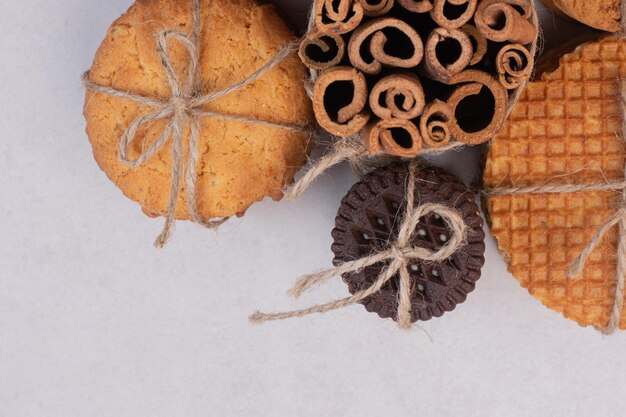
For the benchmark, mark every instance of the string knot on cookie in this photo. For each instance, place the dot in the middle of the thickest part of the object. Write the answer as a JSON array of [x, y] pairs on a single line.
[[398, 256], [185, 106], [400, 253]]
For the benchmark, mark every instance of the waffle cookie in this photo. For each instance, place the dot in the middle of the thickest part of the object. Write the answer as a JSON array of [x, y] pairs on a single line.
[[566, 129]]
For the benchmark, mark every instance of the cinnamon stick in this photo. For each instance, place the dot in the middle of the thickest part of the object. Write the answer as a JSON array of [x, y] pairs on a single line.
[[514, 64], [447, 52], [479, 43], [399, 137], [452, 14], [398, 96], [376, 7], [364, 48], [338, 16], [478, 106], [339, 99], [320, 50], [435, 124], [384, 31], [417, 6], [501, 21]]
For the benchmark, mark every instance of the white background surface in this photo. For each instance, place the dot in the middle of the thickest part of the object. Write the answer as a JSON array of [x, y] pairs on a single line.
[[95, 322]]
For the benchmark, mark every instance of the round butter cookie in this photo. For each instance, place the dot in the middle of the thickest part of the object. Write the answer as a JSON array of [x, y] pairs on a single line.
[[239, 162]]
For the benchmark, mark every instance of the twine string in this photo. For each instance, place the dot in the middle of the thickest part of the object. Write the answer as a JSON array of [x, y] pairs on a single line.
[[344, 148], [399, 255], [618, 303], [352, 149], [184, 106]]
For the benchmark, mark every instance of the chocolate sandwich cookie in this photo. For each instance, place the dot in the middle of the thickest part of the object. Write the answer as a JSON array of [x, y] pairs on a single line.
[[369, 219]]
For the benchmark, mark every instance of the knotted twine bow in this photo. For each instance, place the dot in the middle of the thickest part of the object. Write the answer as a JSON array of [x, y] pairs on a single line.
[[619, 218], [185, 105], [399, 254]]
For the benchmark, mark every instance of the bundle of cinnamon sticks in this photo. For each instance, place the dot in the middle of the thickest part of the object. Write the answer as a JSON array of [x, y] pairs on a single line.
[[416, 74]]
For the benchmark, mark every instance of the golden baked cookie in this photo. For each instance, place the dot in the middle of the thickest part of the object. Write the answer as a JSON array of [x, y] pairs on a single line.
[[599, 14], [566, 129], [239, 162]]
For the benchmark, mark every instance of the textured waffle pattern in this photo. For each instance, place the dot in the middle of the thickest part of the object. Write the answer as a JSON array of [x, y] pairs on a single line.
[[566, 129]]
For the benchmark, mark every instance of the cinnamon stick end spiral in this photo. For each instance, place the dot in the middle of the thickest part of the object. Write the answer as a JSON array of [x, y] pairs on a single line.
[[398, 95], [340, 95], [397, 137], [320, 50], [478, 107]]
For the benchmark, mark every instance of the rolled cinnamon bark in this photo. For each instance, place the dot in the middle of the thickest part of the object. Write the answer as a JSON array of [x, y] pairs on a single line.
[[338, 16], [478, 106], [435, 124], [479, 43], [447, 52], [397, 137], [501, 21], [514, 64], [452, 14], [372, 60], [376, 7], [417, 6], [339, 99], [320, 50], [393, 42], [398, 96]]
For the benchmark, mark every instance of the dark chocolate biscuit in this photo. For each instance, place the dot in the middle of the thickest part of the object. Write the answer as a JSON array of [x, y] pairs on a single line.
[[369, 219]]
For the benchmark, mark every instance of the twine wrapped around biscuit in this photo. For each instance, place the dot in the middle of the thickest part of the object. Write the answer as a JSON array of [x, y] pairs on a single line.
[[618, 219], [184, 106], [399, 255]]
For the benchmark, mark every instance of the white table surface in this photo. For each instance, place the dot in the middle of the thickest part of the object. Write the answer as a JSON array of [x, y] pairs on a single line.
[[95, 322]]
